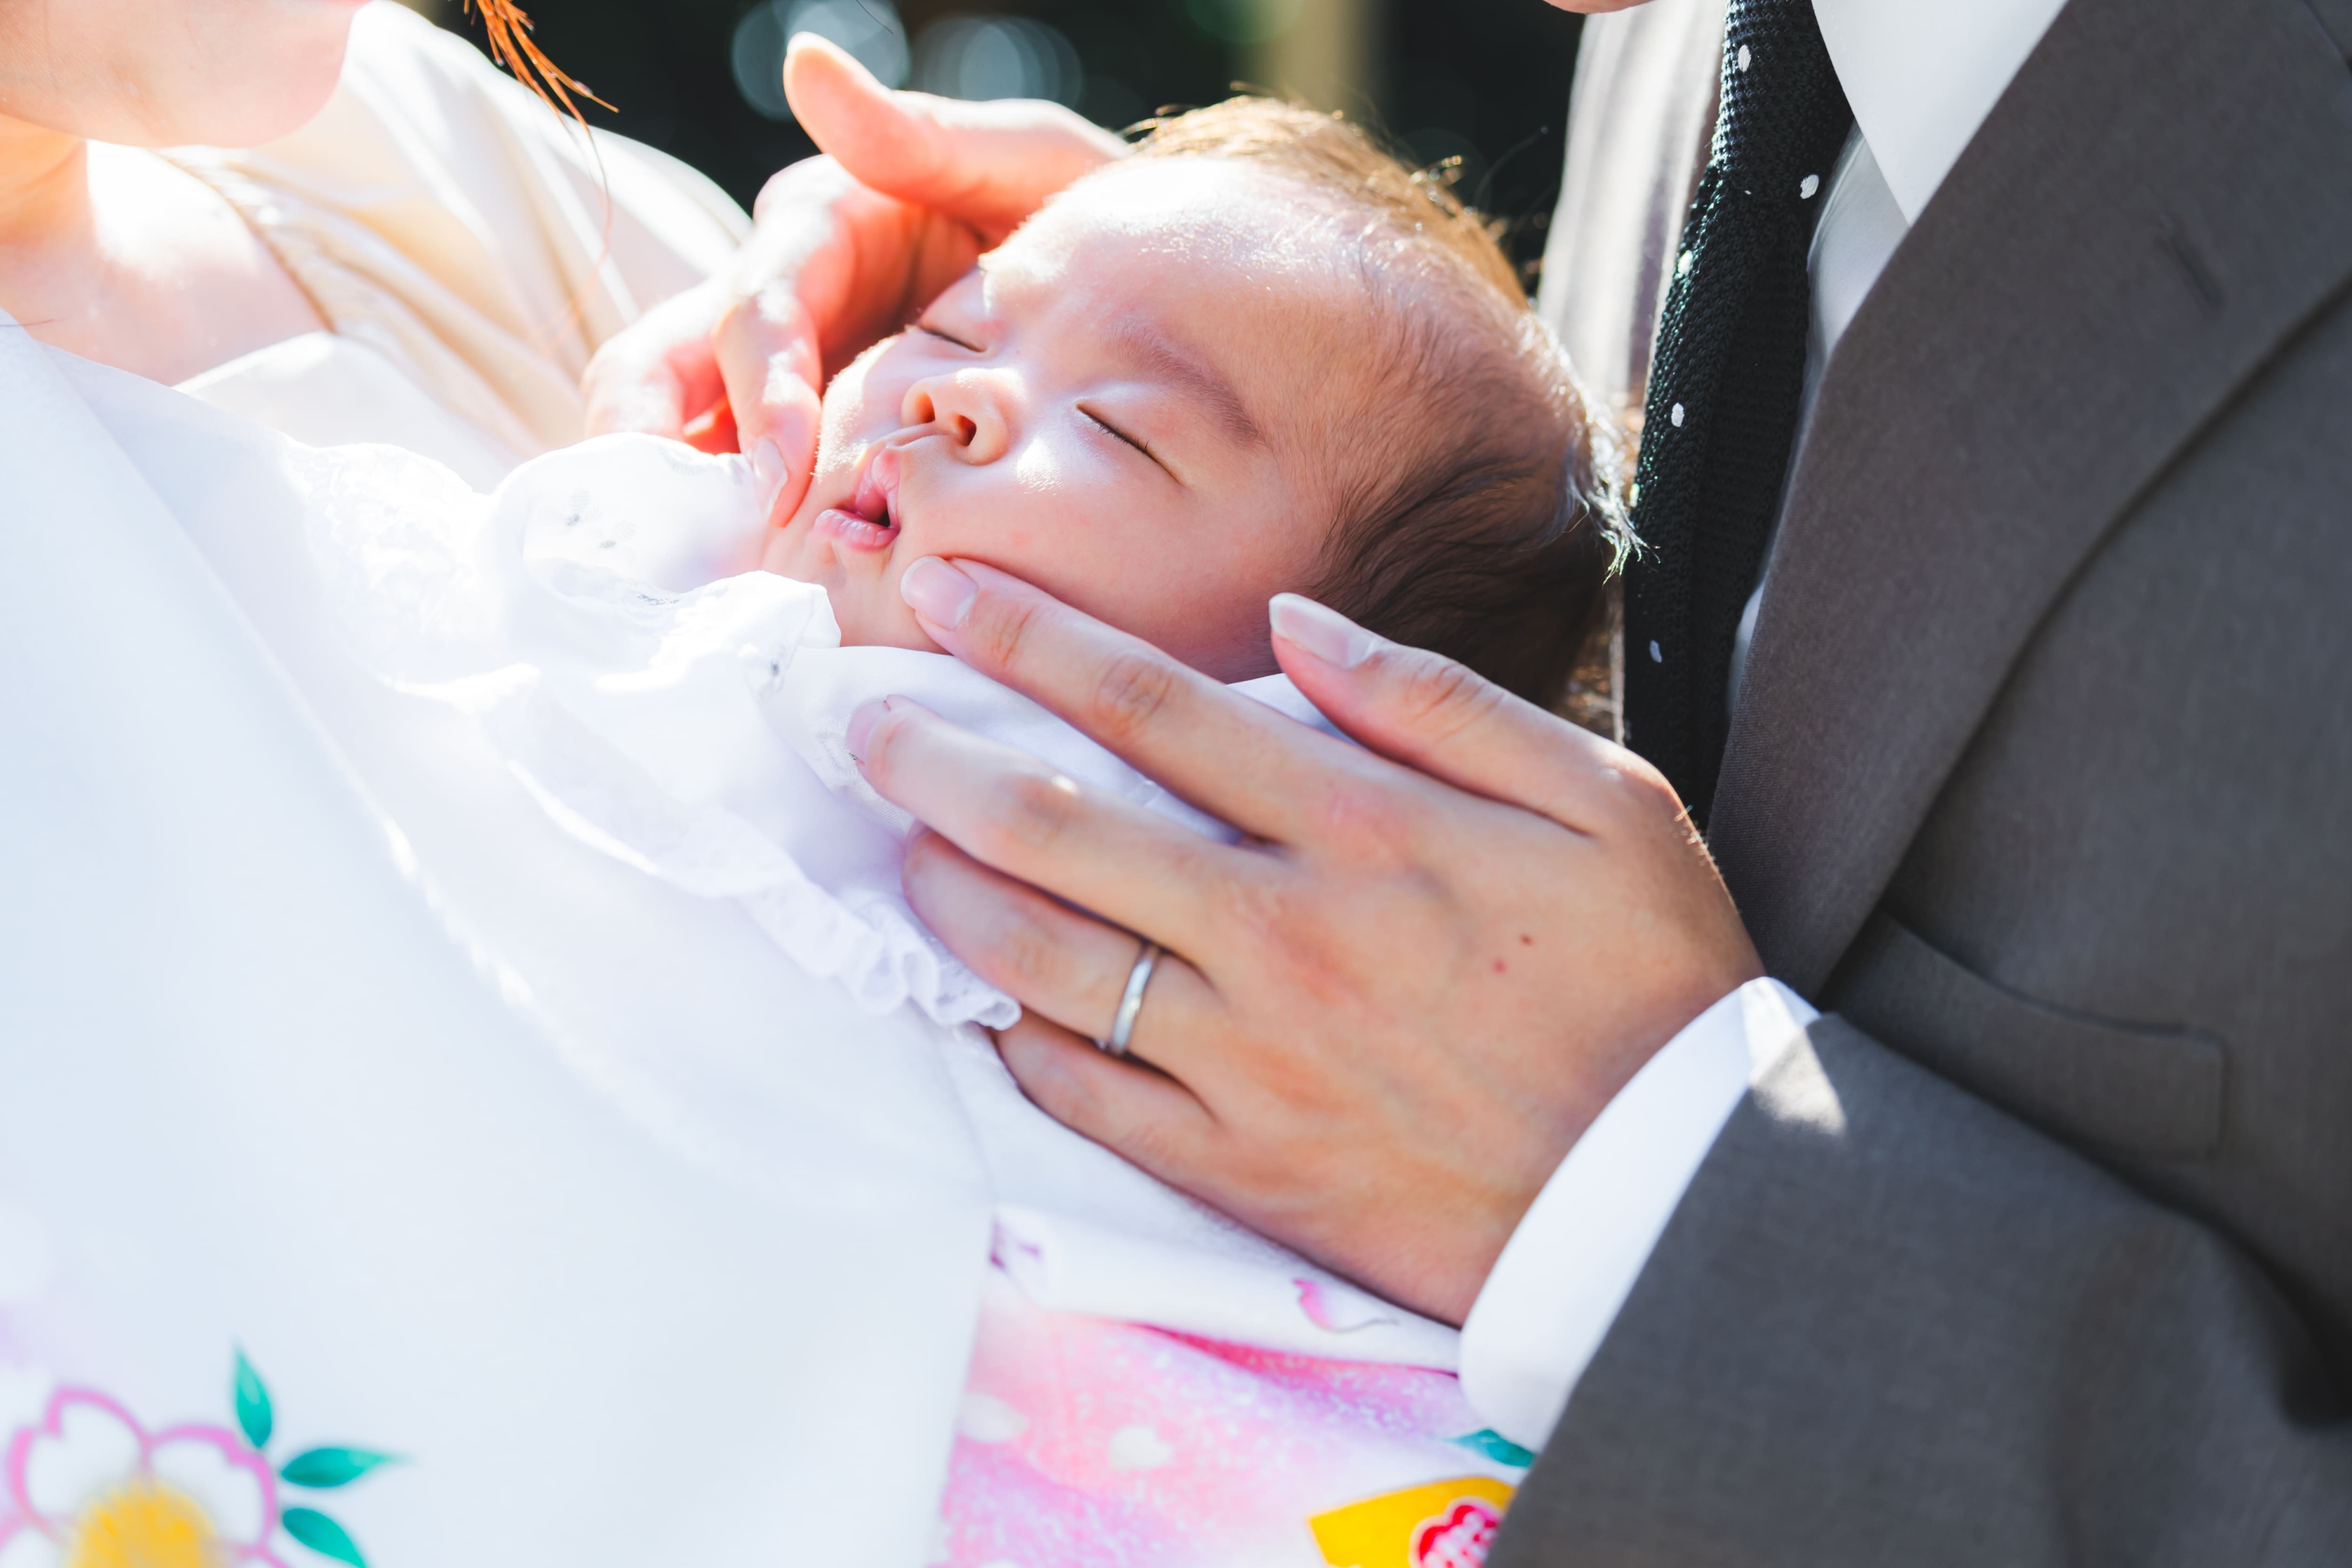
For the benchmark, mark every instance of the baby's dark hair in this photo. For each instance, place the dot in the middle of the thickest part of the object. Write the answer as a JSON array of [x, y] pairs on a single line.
[[1479, 514]]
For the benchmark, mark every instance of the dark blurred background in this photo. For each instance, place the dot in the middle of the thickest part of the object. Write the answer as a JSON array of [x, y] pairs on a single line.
[[1483, 82]]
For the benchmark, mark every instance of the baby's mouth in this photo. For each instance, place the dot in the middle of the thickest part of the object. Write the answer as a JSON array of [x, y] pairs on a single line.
[[870, 521]]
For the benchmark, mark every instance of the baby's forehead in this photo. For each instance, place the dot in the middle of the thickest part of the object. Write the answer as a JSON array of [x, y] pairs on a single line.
[[1243, 266], [1206, 211]]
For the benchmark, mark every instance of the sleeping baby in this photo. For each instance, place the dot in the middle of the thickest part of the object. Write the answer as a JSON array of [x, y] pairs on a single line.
[[1258, 356]]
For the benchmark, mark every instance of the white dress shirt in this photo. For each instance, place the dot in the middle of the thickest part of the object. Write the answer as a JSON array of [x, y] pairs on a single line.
[[1922, 74]]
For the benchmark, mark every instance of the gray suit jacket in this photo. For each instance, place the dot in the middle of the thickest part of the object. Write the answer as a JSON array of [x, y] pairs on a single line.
[[2040, 1249]]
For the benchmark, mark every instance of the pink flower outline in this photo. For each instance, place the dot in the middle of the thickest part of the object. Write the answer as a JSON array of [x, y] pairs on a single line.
[[232, 1447]]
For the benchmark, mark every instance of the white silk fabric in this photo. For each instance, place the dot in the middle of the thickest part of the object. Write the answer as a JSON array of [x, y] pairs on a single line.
[[600, 618], [318, 1038], [480, 245], [339, 1024]]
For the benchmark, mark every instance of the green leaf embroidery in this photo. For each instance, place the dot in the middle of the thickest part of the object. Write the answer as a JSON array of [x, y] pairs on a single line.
[[254, 1417], [1496, 1447], [319, 1468], [323, 1535]]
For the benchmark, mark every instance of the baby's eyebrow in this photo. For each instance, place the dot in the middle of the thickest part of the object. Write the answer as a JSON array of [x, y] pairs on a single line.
[[1154, 352]]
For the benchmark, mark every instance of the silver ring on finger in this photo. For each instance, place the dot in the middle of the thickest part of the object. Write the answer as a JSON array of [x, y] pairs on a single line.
[[1130, 1002]]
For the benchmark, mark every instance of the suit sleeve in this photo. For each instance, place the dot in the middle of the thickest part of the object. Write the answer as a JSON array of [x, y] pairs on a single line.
[[1889, 1325]]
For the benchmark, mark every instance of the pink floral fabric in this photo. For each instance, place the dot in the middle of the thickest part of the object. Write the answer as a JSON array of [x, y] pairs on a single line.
[[1087, 1443]]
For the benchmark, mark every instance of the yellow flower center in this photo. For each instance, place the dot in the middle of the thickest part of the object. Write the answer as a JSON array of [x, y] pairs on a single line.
[[143, 1524]]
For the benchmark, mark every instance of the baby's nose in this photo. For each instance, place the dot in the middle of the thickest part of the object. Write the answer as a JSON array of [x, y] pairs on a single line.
[[972, 408]]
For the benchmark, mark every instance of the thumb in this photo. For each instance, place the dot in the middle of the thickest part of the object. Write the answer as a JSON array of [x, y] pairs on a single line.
[[988, 164], [1443, 719]]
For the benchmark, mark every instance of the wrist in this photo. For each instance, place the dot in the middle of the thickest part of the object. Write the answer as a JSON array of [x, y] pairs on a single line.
[[1618, 1048], [1611, 1052], [1554, 1292]]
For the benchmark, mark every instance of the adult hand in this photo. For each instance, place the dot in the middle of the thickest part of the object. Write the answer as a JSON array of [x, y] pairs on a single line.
[[1387, 1014], [846, 248]]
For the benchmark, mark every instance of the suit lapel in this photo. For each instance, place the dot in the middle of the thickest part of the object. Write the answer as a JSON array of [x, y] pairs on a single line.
[[2163, 194]]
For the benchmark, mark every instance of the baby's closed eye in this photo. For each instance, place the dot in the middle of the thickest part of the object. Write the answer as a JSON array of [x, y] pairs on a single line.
[[1137, 442], [928, 330]]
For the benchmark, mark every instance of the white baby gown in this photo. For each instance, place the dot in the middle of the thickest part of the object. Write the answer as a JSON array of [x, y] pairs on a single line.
[[459, 976]]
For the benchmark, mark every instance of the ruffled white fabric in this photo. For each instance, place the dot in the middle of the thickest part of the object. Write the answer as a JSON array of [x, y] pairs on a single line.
[[306, 1057], [320, 1039], [599, 619]]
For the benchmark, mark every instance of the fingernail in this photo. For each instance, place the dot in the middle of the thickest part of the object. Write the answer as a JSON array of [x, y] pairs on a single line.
[[938, 592], [1324, 633], [768, 467], [862, 722]]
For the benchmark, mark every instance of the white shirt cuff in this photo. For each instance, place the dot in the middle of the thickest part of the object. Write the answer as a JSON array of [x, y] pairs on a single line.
[[1555, 1289]]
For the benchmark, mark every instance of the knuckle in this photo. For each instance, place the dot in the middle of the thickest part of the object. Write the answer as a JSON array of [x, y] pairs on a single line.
[[1264, 912], [1442, 697], [1032, 812], [738, 320], [998, 628], [1133, 687], [1290, 932], [1639, 788], [1373, 819], [810, 180], [1154, 1145], [1028, 959]]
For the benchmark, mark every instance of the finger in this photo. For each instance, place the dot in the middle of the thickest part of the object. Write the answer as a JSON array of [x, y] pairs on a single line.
[[1008, 809], [858, 262], [1149, 1119], [1233, 757], [1444, 720], [989, 165], [659, 374], [1056, 962], [767, 357]]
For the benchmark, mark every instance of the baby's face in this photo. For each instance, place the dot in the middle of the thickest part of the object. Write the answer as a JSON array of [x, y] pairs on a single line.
[[1109, 406]]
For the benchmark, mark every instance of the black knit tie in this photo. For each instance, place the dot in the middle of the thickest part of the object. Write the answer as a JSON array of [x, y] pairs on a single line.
[[1725, 385]]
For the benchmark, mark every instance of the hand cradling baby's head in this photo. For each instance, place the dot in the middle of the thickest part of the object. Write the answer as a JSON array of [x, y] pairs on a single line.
[[1258, 357]]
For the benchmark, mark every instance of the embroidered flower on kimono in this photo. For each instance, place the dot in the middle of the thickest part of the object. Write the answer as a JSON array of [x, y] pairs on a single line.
[[1458, 1538], [89, 1486]]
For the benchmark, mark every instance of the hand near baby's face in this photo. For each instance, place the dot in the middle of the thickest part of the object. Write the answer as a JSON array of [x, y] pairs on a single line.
[[844, 249], [1386, 1014], [1108, 406]]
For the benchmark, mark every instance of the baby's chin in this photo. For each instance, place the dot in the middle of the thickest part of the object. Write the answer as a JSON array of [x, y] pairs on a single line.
[[785, 555], [865, 603], [865, 624], [867, 609]]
